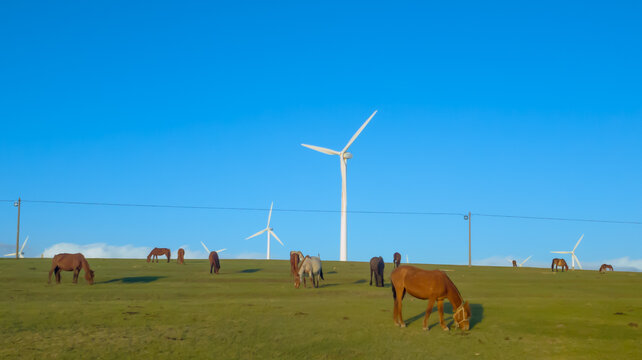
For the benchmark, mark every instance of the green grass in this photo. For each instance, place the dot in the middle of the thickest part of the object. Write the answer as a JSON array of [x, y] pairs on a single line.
[[252, 311]]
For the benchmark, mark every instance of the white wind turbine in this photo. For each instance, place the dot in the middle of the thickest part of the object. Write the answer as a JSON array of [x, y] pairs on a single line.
[[21, 253], [343, 160], [572, 252], [522, 263], [208, 250], [270, 231]]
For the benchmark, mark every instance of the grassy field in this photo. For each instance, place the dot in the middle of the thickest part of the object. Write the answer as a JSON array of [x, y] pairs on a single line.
[[252, 311]]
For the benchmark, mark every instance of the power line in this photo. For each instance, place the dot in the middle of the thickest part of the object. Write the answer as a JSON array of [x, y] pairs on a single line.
[[373, 212]]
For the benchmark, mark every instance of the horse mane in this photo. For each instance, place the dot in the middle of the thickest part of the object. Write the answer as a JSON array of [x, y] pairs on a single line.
[[451, 286]]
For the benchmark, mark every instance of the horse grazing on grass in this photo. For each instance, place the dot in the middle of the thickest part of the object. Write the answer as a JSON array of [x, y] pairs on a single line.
[[296, 257], [214, 263], [514, 263], [181, 256], [158, 251], [376, 268], [559, 262], [396, 259], [71, 262], [605, 267], [312, 266], [432, 285]]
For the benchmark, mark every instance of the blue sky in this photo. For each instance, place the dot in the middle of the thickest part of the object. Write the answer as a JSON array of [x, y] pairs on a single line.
[[494, 108]]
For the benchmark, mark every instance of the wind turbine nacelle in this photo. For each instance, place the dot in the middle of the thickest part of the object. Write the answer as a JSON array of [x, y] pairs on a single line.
[[347, 155]]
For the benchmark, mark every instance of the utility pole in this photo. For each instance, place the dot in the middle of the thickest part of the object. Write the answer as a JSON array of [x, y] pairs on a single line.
[[18, 231], [469, 243]]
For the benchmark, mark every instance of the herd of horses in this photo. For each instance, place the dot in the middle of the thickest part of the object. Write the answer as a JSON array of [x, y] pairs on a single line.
[[431, 285]]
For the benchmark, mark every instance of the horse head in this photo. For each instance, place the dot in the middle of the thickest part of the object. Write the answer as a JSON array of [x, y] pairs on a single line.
[[462, 316], [90, 277]]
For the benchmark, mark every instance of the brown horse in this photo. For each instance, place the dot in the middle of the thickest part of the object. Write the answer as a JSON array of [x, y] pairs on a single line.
[[296, 257], [376, 268], [432, 285], [559, 262], [605, 267], [214, 263], [514, 263], [181, 256], [158, 251], [396, 259], [71, 262]]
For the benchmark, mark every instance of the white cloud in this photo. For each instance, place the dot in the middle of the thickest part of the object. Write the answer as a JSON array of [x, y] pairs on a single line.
[[99, 250], [495, 261]]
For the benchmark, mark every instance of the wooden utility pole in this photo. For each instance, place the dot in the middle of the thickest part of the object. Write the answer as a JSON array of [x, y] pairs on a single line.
[[18, 231], [469, 243]]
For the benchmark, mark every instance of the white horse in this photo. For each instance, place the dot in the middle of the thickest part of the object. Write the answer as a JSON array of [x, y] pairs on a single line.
[[312, 266]]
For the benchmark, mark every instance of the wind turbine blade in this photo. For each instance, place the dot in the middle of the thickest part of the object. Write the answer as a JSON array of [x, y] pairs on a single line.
[[206, 249], [522, 263], [270, 216], [14, 254], [321, 149], [220, 251], [276, 237], [354, 137], [578, 262], [578, 242], [258, 233], [562, 252], [23, 244]]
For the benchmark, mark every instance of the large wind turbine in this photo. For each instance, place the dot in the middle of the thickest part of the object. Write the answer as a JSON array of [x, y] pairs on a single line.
[[572, 252], [21, 253], [344, 155], [270, 231]]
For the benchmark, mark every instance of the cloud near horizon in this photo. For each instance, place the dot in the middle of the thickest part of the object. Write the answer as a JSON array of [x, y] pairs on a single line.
[[105, 251], [621, 264]]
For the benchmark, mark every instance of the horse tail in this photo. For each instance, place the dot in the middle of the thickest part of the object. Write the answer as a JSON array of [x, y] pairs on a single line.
[[552, 264], [218, 264], [321, 273]]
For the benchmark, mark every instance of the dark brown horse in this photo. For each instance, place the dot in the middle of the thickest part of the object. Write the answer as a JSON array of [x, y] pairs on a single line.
[[559, 262], [71, 262], [605, 267], [214, 263], [514, 263], [396, 259], [158, 251], [376, 268], [181, 256], [433, 285]]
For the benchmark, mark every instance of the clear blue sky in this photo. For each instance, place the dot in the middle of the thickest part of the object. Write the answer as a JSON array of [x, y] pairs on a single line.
[[497, 108]]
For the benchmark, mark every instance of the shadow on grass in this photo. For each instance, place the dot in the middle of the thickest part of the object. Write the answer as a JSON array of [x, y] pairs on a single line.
[[133, 280], [249, 271], [331, 272], [476, 318], [328, 285], [360, 281]]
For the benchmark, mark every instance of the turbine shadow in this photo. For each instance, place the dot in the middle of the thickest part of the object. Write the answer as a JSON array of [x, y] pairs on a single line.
[[133, 280]]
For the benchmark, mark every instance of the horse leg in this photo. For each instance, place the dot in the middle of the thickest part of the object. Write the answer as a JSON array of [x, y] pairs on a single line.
[[431, 303], [53, 268], [76, 272], [371, 277], [211, 267], [399, 301], [440, 307], [58, 271]]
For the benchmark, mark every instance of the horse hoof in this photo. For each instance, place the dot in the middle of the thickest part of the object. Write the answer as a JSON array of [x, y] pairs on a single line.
[[426, 329], [403, 325], [446, 329]]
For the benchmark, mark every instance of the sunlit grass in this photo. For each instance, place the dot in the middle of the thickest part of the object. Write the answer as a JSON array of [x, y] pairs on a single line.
[[251, 310]]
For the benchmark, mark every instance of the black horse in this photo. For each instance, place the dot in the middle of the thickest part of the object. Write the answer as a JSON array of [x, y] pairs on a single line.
[[376, 268]]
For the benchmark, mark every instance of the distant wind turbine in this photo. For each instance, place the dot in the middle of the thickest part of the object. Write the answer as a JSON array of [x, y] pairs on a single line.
[[208, 250], [344, 155], [572, 252], [522, 263], [21, 253], [270, 231]]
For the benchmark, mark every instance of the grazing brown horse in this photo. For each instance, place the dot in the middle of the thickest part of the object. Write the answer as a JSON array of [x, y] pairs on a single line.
[[605, 267], [376, 268], [71, 262], [396, 259], [158, 251], [214, 263], [514, 263], [181, 256], [432, 285], [559, 262]]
